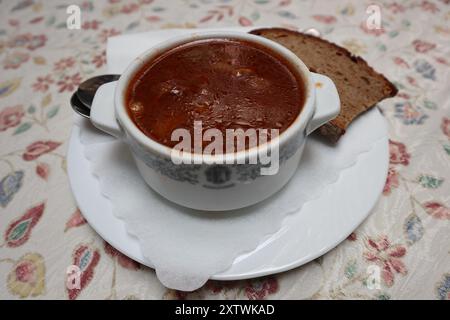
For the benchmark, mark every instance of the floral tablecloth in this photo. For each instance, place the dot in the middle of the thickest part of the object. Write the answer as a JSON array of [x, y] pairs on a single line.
[[401, 251]]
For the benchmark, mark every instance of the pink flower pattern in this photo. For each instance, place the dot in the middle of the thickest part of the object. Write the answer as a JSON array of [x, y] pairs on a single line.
[[398, 153], [396, 7], [122, 259], [10, 117], [99, 60], [43, 83], [429, 6], [375, 31], [260, 288], [445, 126], [69, 83], [91, 25], [423, 46], [64, 63], [43, 62], [28, 41], [106, 33], [387, 256], [15, 60], [38, 148], [324, 18], [391, 181]]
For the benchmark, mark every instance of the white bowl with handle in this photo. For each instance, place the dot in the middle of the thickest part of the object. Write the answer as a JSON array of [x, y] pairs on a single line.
[[215, 182]]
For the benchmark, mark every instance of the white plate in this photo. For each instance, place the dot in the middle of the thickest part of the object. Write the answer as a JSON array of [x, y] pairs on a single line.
[[318, 227]]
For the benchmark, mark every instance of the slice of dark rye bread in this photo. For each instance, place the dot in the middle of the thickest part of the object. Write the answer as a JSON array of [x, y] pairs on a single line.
[[359, 86]]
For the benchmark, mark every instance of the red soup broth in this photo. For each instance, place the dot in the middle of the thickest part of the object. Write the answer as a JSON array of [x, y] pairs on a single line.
[[224, 83]]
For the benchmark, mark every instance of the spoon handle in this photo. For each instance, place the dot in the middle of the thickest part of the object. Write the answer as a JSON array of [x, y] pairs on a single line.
[[87, 89], [81, 100]]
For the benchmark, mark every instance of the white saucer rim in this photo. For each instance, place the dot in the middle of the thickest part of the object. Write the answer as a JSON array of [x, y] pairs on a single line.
[[224, 276], [307, 259]]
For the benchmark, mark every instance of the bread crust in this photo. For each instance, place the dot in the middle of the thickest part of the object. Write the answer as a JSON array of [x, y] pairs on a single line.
[[334, 129]]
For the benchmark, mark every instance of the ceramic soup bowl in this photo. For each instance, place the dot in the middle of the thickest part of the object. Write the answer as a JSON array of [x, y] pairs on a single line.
[[208, 184]]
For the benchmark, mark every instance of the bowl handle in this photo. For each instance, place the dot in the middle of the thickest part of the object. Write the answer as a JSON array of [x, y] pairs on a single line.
[[328, 104], [103, 114]]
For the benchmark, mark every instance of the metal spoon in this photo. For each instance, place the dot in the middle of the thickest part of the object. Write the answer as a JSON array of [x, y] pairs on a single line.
[[81, 100]]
